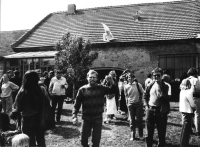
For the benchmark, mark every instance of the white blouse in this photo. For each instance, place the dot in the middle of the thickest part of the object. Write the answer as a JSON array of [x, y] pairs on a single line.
[[184, 104]]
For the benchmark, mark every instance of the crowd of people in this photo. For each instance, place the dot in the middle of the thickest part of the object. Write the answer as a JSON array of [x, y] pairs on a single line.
[[23, 102], [126, 97]]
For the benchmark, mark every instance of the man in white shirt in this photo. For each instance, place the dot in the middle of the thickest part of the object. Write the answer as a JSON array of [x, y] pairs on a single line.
[[156, 102], [57, 88]]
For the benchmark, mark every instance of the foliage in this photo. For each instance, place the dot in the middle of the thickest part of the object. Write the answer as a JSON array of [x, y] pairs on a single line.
[[74, 56], [7, 38]]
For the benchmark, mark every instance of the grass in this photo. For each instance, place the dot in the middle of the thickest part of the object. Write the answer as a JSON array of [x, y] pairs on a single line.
[[116, 134]]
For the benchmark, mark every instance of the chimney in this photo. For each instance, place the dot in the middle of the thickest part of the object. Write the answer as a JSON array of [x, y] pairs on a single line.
[[136, 17], [71, 8]]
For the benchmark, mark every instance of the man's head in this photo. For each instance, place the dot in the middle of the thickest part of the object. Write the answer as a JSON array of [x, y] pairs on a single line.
[[5, 78], [157, 74], [58, 74], [39, 72], [130, 77], [51, 74], [108, 78], [92, 77], [148, 75], [9, 73], [192, 72], [113, 74], [16, 73]]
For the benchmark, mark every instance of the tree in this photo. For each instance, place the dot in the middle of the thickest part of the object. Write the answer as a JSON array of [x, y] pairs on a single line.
[[74, 57]]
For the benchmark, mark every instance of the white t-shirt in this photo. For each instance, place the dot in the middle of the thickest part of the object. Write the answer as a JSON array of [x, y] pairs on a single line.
[[184, 105], [57, 83], [154, 92], [7, 89]]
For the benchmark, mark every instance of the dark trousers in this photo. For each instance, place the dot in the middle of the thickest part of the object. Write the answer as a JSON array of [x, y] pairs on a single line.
[[91, 123], [57, 100], [136, 118], [31, 128], [154, 117], [186, 129]]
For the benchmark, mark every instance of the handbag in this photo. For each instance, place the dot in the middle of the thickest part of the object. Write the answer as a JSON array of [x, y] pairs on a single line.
[[47, 115]]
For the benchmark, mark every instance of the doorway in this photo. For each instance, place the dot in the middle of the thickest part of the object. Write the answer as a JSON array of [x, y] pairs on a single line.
[[103, 71]]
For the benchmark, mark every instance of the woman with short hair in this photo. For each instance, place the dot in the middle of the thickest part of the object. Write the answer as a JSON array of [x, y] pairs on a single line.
[[6, 96]]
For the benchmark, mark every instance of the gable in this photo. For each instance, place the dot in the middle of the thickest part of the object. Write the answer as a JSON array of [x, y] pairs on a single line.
[[157, 21]]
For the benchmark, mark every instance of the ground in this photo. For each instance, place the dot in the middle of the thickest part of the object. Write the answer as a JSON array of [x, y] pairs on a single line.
[[116, 134]]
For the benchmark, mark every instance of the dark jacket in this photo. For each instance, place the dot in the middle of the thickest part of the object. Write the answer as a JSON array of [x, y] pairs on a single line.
[[165, 106], [92, 99]]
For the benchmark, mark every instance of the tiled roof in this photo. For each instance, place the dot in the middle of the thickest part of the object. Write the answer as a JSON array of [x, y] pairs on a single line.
[[157, 21], [32, 54]]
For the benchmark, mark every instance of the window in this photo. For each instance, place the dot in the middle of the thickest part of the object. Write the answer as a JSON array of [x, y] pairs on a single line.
[[177, 64]]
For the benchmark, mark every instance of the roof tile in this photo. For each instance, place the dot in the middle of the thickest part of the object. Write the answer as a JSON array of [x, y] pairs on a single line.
[[158, 21]]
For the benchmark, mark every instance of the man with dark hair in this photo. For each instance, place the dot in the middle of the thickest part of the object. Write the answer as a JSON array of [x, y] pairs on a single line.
[[166, 77], [16, 80], [91, 97], [195, 85], [57, 88], [10, 74], [48, 78], [156, 102]]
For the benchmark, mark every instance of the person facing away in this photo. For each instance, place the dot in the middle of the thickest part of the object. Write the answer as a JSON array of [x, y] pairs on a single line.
[[30, 103], [6, 96], [48, 78], [91, 97], [166, 77], [156, 101], [16, 79], [43, 77], [133, 92], [57, 88], [194, 80], [186, 95], [20, 140]]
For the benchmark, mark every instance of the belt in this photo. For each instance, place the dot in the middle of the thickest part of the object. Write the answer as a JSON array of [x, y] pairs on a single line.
[[155, 107]]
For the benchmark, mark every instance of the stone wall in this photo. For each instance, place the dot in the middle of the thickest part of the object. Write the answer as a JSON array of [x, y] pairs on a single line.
[[140, 57]]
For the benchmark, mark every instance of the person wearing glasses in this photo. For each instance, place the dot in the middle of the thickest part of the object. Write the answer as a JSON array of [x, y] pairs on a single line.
[[156, 102], [91, 97], [133, 92]]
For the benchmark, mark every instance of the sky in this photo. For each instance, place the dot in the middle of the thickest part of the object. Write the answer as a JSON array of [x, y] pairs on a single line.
[[25, 14]]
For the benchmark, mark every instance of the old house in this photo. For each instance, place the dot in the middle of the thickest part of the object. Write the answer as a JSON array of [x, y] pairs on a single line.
[[146, 36]]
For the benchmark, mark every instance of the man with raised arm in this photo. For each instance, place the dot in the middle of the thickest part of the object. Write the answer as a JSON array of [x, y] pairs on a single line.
[[91, 97]]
